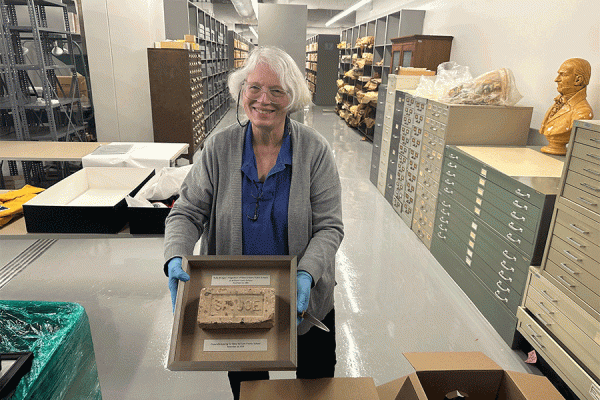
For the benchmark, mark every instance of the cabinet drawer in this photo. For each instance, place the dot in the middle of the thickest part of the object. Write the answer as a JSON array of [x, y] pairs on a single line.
[[456, 157], [437, 111], [582, 198], [560, 361], [587, 137], [518, 211], [579, 224], [434, 127], [502, 289], [585, 253], [577, 266], [419, 121], [426, 178], [572, 285], [424, 235], [492, 309], [584, 348], [432, 155], [420, 105], [417, 132], [518, 234], [434, 142], [553, 296], [585, 168], [399, 106], [586, 153], [582, 182]]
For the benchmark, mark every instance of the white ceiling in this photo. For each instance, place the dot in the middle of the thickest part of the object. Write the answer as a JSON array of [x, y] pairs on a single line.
[[319, 12]]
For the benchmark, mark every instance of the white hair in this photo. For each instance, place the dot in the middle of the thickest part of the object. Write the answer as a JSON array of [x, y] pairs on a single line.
[[281, 63]]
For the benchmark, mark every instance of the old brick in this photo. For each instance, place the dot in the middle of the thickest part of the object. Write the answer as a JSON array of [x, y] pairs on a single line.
[[230, 307]]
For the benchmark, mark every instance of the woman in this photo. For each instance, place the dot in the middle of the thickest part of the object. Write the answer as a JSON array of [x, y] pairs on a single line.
[[270, 187]]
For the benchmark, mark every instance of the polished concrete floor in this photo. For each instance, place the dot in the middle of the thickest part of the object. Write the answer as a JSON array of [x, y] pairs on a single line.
[[392, 295]]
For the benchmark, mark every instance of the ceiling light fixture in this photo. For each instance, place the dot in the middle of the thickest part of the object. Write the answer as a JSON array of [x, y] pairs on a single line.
[[253, 31], [244, 8], [347, 11]]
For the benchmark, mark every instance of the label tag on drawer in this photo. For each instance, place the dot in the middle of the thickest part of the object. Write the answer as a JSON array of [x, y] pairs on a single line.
[[482, 181], [470, 253], [478, 201], [484, 172], [595, 391], [468, 261], [471, 244], [474, 226], [473, 235], [480, 191], [477, 210]]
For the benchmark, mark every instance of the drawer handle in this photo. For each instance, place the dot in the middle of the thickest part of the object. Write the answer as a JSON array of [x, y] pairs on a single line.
[[569, 270], [514, 215], [443, 211], [519, 193], [431, 157], [503, 265], [534, 337], [442, 228], [562, 279], [591, 171], [433, 129], [546, 295], [448, 191], [575, 242], [578, 229], [593, 156], [587, 201], [595, 140], [452, 156], [428, 170], [512, 226], [542, 319], [499, 284], [509, 237], [447, 182], [501, 273], [505, 254], [497, 294], [587, 185], [451, 165], [543, 307], [516, 204], [440, 236], [571, 256], [446, 205], [443, 220], [450, 174]]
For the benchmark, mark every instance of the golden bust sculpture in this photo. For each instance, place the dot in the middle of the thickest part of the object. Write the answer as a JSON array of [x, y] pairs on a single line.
[[573, 77]]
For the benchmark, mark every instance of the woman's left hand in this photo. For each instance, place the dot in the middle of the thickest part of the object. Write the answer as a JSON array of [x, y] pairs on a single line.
[[303, 285]]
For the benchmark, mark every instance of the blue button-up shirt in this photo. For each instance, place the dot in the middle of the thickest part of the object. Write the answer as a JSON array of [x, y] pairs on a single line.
[[265, 204]]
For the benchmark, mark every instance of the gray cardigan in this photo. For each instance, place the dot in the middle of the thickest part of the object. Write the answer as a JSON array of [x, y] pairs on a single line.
[[210, 207]]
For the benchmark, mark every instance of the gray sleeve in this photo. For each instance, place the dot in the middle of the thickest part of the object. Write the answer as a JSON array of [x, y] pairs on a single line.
[[191, 212], [327, 225]]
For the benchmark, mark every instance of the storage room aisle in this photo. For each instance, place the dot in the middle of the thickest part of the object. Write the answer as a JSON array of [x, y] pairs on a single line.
[[392, 295]]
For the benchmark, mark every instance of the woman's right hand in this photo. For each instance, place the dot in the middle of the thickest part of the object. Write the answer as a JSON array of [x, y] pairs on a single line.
[[176, 274]]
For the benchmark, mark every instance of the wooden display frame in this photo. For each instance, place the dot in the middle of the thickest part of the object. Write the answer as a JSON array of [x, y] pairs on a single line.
[[187, 351]]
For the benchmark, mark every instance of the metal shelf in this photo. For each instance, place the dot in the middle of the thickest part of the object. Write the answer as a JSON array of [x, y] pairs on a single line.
[[49, 3]]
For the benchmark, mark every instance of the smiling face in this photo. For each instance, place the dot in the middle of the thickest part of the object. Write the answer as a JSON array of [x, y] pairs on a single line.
[[263, 113]]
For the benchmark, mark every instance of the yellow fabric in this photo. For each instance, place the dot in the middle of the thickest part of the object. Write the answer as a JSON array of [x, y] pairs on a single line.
[[11, 203]]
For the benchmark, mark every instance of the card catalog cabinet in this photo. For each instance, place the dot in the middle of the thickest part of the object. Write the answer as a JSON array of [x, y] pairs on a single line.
[[491, 224], [560, 314], [459, 125]]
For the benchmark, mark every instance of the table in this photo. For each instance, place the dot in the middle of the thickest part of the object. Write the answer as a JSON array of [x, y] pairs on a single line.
[[46, 151]]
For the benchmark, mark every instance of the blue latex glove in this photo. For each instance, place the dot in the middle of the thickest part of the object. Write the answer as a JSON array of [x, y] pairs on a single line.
[[176, 274], [303, 284]]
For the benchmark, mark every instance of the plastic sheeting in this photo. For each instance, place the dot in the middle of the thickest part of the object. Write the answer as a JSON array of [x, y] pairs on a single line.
[[58, 334]]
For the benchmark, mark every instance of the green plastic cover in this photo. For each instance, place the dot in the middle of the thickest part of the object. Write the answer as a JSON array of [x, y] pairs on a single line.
[[58, 334]]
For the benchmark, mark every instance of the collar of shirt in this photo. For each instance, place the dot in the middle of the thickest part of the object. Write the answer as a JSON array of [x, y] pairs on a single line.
[[249, 159]]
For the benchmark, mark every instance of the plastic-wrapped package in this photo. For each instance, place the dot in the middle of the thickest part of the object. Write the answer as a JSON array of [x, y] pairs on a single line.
[[58, 334], [495, 88], [449, 75]]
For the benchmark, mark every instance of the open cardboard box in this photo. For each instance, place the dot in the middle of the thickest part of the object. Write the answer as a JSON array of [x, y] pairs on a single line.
[[196, 349], [310, 389], [92, 200], [472, 373]]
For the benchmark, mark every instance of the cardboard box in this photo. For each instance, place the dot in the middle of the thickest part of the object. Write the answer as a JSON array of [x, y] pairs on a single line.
[[92, 200], [196, 349], [473, 373], [14, 182], [310, 389], [189, 38], [65, 83]]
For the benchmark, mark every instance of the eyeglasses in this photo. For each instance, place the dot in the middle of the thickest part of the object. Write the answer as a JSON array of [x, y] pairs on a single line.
[[254, 92], [254, 216]]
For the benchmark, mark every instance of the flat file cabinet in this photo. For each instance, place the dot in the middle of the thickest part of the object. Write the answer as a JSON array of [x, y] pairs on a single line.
[[377, 133], [454, 124], [492, 219], [560, 313]]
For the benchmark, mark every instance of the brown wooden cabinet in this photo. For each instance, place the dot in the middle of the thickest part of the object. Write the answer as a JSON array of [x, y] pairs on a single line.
[[420, 51]]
